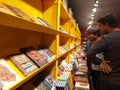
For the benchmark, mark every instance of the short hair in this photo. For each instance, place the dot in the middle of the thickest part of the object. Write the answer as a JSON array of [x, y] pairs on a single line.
[[94, 30], [109, 19]]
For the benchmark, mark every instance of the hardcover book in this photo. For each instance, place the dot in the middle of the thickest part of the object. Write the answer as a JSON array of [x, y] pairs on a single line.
[[34, 55], [23, 63], [8, 77]]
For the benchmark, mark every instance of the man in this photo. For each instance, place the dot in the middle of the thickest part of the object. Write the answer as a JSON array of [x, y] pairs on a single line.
[[110, 46], [93, 35]]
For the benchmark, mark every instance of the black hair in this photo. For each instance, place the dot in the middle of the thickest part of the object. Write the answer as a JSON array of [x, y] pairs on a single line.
[[94, 30], [109, 19]]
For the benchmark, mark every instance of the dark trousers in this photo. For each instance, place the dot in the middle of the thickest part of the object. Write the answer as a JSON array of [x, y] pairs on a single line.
[[108, 86], [96, 79]]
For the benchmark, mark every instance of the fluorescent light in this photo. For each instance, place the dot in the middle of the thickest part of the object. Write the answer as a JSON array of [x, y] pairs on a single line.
[[94, 9], [95, 5]]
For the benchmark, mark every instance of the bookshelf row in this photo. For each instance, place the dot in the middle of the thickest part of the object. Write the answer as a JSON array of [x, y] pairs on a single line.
[[37, 23]]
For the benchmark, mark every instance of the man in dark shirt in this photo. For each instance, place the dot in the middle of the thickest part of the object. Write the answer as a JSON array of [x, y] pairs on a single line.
[[110, 46]]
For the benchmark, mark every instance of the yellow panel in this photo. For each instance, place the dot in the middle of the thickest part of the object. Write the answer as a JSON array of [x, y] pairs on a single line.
[[50, 13]]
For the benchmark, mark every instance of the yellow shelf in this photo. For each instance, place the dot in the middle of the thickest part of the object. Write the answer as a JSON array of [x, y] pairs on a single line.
[[18, 32], [63, 13]]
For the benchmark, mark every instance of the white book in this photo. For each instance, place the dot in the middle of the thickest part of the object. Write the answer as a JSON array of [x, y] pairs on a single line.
[[8, 77]]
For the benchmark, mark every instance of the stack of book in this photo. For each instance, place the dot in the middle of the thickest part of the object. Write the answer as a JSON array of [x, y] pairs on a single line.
[[62, 85], [80, 72]]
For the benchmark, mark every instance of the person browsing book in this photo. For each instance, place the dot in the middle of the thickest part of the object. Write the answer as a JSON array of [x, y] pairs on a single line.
[[109, 44], [93, 35]]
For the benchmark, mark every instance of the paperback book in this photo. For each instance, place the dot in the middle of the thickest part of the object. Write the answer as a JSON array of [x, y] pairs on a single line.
[[48, 54], [81, 86], [8, 77], [23, 63], [34, 55], [44, 82], [4, 9], [43, 22]]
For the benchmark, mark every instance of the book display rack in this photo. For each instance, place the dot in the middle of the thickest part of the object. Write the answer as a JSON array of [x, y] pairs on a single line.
[[35, 23]]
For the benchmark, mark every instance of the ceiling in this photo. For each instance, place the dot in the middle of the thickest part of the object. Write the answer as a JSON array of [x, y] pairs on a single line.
[[83, 8]]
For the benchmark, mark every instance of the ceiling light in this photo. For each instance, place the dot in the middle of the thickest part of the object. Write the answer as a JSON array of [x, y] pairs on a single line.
[[90, 22], [95, 5], [94, 9], [96, 1]]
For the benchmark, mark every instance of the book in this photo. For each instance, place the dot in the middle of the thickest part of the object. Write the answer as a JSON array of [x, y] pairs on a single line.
[[5, 9], [48, 54], [50, 81], [34, 55], [12, 9], [44, 82], [23, 63], [43, 22], [81, 86], [62, 85], [23, 14], [8, 77]]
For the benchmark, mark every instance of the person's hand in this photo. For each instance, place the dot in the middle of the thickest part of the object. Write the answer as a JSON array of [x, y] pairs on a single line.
[[105, 66]]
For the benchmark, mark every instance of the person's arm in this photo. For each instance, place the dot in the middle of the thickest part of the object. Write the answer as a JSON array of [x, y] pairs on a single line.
[[91, 55]]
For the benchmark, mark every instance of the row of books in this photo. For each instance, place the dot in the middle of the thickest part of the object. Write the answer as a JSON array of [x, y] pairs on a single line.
[[28, 61], [63, 49], [40, 82], [21, 14], [80, 75], [46, 82]]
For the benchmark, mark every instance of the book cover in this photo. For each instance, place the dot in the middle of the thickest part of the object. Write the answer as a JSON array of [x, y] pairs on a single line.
[[62, 85], [12, 9], [44, 82], [50, 80], [23, 63], [8, 77], [61, 50], [81, 85], [48, 54], [34, 55], [43, 22], [65, 47], [23, 14], [4, 9]]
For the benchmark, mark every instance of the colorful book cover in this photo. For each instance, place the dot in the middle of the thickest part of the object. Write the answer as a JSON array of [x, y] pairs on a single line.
[[23, 63], [8, 77], [50, 80], [49, 55], [62, 85], [34, 55], [44, 82]]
